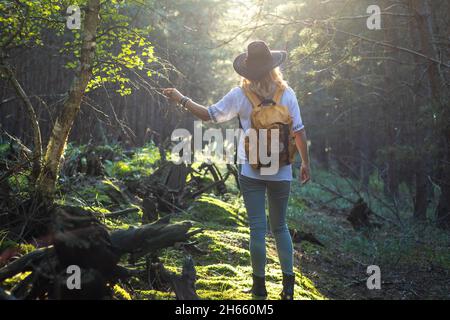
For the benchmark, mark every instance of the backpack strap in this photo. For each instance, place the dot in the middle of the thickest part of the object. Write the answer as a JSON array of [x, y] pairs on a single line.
[[278, 94], [254, 100]]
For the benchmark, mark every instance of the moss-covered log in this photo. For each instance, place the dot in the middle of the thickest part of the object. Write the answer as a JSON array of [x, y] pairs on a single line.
[[81, 240], [151, 237]]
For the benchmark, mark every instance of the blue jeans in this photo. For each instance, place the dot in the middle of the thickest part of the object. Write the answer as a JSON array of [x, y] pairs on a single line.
[[254, 193]]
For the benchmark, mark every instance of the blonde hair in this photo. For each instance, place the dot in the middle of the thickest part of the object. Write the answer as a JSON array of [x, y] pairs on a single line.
[[266, 86]]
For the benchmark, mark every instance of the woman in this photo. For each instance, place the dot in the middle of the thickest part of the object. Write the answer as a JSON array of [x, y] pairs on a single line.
[[260, 73]]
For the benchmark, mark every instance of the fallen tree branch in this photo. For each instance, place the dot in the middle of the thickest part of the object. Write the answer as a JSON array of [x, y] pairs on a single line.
[[151, 237], [211, 186], [25, 263], [80, 239], [120, 213]]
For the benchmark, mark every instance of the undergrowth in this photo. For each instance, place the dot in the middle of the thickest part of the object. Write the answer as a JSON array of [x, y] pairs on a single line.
[[225, 271]]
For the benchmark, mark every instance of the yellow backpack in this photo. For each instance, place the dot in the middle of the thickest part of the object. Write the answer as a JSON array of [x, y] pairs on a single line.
[[270, 115]]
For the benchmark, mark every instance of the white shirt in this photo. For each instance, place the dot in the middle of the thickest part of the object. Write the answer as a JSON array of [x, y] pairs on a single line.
[[235, 103]]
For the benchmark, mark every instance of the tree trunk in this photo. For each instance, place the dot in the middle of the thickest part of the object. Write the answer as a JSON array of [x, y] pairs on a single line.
[[423, 17], [390, 82], [71, 107]]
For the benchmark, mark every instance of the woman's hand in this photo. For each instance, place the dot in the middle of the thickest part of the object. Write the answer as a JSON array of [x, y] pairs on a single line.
[[173, 94], [305, 173], [196, 109]]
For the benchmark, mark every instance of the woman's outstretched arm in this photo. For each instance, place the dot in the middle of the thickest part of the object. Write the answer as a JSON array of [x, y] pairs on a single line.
[[196, 109]]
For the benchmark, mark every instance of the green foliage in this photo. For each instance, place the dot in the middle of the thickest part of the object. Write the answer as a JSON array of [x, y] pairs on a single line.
[[120, 169], [95, 195], [5, 243], [122, 48], [315, 193], [23, 22], [4, 147], [123, 45], [411, 246], [142, 163], [225, 271], [20, 182]]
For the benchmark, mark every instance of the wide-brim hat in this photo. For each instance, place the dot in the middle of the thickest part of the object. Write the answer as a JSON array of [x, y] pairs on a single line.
[[258, 60]]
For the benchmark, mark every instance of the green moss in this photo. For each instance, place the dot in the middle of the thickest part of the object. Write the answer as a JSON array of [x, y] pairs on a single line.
[[225, 271], [94, 209], [233, 287], [225, 246], [11, 282], [215, 211], [154, 295], [219, 270], [120, 293], [215, 284]]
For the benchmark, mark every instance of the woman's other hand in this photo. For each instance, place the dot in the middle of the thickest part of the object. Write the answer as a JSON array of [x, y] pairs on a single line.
[[305, 174], [173, 94]]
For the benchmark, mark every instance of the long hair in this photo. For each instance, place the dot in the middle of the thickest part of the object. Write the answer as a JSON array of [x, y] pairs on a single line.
[[266, 86]]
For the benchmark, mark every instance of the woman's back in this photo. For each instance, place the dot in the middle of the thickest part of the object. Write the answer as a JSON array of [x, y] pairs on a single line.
[[236, 104]]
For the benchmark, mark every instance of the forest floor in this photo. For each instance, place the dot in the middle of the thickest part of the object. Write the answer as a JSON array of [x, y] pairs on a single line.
[[335, 271], [414, 260]]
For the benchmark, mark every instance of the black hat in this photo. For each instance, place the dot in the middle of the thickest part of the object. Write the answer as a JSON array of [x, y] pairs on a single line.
[[258, 60]]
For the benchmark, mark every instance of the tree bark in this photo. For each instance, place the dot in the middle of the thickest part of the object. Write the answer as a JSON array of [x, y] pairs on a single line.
[[390, 82], [63, 124], [423, 17]]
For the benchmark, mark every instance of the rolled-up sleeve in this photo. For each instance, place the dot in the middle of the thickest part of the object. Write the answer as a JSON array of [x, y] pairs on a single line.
[[294, 110], [226, 108]]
